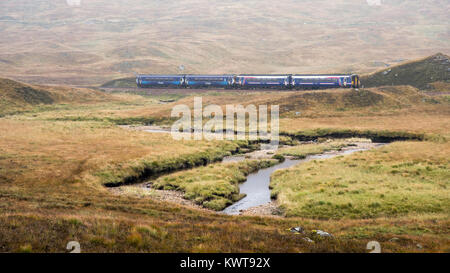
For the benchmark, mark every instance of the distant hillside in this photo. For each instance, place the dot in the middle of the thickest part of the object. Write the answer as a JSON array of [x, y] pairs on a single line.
[[120, 83], [384, 99], [421, 74], [18, 97], [44, 42], [321, 103]]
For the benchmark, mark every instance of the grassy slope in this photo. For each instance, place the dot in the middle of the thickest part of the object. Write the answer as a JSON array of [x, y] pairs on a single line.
[[420, 74], [99, 152], [120, 83], [105, 223], [335, 103], [395, 109], [440, 87], [17, 97]]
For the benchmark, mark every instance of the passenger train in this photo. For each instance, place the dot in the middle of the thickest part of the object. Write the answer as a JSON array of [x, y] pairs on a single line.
[[248, 81]]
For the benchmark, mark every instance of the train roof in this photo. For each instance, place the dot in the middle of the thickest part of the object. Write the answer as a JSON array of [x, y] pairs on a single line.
[[161, 75], [323, 75], [245, 75], [209, 75], [263, 74]]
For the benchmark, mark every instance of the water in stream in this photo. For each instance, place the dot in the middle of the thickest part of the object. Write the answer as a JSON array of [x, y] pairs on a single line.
[[256, 187]]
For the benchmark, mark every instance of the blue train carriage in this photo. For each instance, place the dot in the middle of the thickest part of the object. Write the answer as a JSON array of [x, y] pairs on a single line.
[[159, 81], [324, 81], [263, 81], [209, 81]]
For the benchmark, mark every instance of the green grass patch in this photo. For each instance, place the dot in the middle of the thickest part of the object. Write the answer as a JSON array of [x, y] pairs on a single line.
[[382, 136], [398, 179], [302, 151], [215, 186]]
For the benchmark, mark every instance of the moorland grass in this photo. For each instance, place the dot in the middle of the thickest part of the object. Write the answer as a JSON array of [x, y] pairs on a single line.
[[36, 151], [142, 169], [52, 172], [398, 179], [400, 112]]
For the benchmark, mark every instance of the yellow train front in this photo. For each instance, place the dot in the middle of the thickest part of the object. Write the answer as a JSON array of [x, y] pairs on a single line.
[[322, 81]]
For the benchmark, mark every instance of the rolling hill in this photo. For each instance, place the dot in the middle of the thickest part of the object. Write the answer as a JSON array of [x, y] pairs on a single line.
[[120, 83], [428, 73], [50, 42], [19, 97]]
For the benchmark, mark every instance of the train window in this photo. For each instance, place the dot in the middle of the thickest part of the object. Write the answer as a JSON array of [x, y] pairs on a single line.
[[265, 79], [161, 79]]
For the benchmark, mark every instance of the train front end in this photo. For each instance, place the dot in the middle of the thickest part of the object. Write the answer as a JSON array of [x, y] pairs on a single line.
[[324, 81], [356, 83]]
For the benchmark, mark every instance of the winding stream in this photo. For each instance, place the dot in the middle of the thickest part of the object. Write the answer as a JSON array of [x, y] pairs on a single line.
[[256, 187]]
